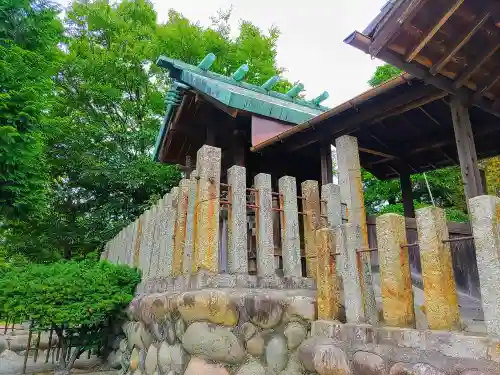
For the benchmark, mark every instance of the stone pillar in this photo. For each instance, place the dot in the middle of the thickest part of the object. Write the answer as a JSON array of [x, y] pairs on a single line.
[[190, 225], [351, 193], [111, 249], [485, 215], [208, 165], [395, 278], [131, 244], [144, 251], [264, 216], [290, 234], [162, 231], [437, 270], [330, 195], [312, 221], [349, 238], [326, 279], [138, 240], [149, 240], [180, 227], [156, 242], [172, 200], [237, 231]]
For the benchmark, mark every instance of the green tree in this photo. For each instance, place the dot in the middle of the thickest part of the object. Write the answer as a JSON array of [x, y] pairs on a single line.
[[29, 33], [76, 299], [106, 111], [445, 184]]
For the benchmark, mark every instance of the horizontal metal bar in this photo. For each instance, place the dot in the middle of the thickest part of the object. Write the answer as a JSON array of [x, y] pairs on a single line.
[[228, 203], [252, 189], [222, 184], [276, 194], [277, 209], [457, 239], [300, 197], [252, 206], [367, 250], [409, 245]]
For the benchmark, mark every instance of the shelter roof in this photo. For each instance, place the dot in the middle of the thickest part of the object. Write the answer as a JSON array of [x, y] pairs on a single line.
[[451, 44]]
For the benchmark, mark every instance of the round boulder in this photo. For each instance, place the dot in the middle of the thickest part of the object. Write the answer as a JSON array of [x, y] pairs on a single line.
[[263, 310], [414, 369], [251, 368], [276, 354], [213, 343], [134, 360], [172, 358], [295, 333], [198, 366], [301, 307], [4, 345], [330, 360], [366, 363], [151, 361], [210, 305], [307, 350], [255, 346]]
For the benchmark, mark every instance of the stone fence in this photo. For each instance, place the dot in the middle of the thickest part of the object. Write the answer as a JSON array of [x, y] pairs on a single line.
[[187, 311]]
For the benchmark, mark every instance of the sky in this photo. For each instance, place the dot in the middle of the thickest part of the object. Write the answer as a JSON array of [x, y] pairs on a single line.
[[310, 47]]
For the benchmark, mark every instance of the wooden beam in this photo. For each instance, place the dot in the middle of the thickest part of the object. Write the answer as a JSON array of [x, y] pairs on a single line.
[[326, 163], [475, 65], [399, 15], [430, 116], [363, 115], [362, 42], [436, 68], [377, 153], [407, 193], [466, 149], [427, 36], [408, 107], [485, 87]]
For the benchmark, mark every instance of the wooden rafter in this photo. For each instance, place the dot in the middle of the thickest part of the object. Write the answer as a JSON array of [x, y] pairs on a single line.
[[436, 68], [475, 65], [376, 153], [430, 116], [427, 36], [485, 87]]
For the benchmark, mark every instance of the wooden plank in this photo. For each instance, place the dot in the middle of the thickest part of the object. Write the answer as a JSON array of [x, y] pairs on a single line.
[[426, 37], [436, 68], [474, 66], [466, 149], [407, 192]]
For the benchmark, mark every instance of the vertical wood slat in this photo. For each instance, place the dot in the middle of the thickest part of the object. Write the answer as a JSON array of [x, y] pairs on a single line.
[[312, 221], [237, 231], [290, 232], [264, 222], [207, 208]]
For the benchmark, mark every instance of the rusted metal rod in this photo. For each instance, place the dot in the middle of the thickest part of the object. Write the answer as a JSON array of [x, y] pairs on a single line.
[[275, 194], [28, 345], [277, 209], [457, 239], [225, 185], [372, 250], [408, 245], [252, 206], [37, 346], [252, 189], [227, 203], [300, 197]]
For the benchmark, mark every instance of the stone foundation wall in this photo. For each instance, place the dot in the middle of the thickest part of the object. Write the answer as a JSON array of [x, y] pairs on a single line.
[[250, 329]]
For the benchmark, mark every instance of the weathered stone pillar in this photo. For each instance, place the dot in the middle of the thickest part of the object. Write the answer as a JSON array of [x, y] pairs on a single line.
[[485, 215], [190, 225], [145, 242], [208, 165], [326, 278], [156, 242], [330, 195], [162, 231], [237, 230], [437, 270], [265, 245], [180, 227], [349, 238], [150, 240], [171, 213], [138, 240], [351, 193], [290, 234], [395, 278], [312, 220]]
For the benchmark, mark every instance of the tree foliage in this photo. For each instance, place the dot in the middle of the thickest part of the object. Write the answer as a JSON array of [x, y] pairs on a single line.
[[76, 299], [445, 184], [101, 111]]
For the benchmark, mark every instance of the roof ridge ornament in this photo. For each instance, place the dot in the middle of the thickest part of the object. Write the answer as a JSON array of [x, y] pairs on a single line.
[[207, 62], [270, 83], [295, 90], [320, 98], [240, 73]]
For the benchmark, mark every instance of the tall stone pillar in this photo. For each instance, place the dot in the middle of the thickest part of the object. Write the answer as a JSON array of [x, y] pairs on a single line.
[[351, 193], [312, 221], [290, 234], [326, 278], [440, 291], [349, 238], [237, 233], [147, 232], [190, 225], [264, 216], [180, 227], [207, 208], [485, 215], [156, 242], [395, 279], [138, 239]]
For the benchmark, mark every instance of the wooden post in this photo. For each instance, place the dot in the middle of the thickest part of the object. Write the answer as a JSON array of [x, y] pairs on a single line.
[[326, 163], [406, 190], [466, 149], [312, 220]]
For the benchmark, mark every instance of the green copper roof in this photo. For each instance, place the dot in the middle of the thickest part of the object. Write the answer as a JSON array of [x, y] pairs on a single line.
[[241, 95]]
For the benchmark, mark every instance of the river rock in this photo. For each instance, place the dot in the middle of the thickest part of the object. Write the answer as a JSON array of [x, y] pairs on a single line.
[[248, 330], [307, 350], [263, 310], [330, 360], [294, 366], [114, 359], [295, 333], [180, 328], [9, 355], [134, 360], [198, 366], [213, 343], [172, 358], [4, 345], [255, 346], [18, 343], [251, 368], [276, 354], [151, 362], [368, 364], [123, 345], [301, 307], [211, 305], [415, 369], [170, 331]]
